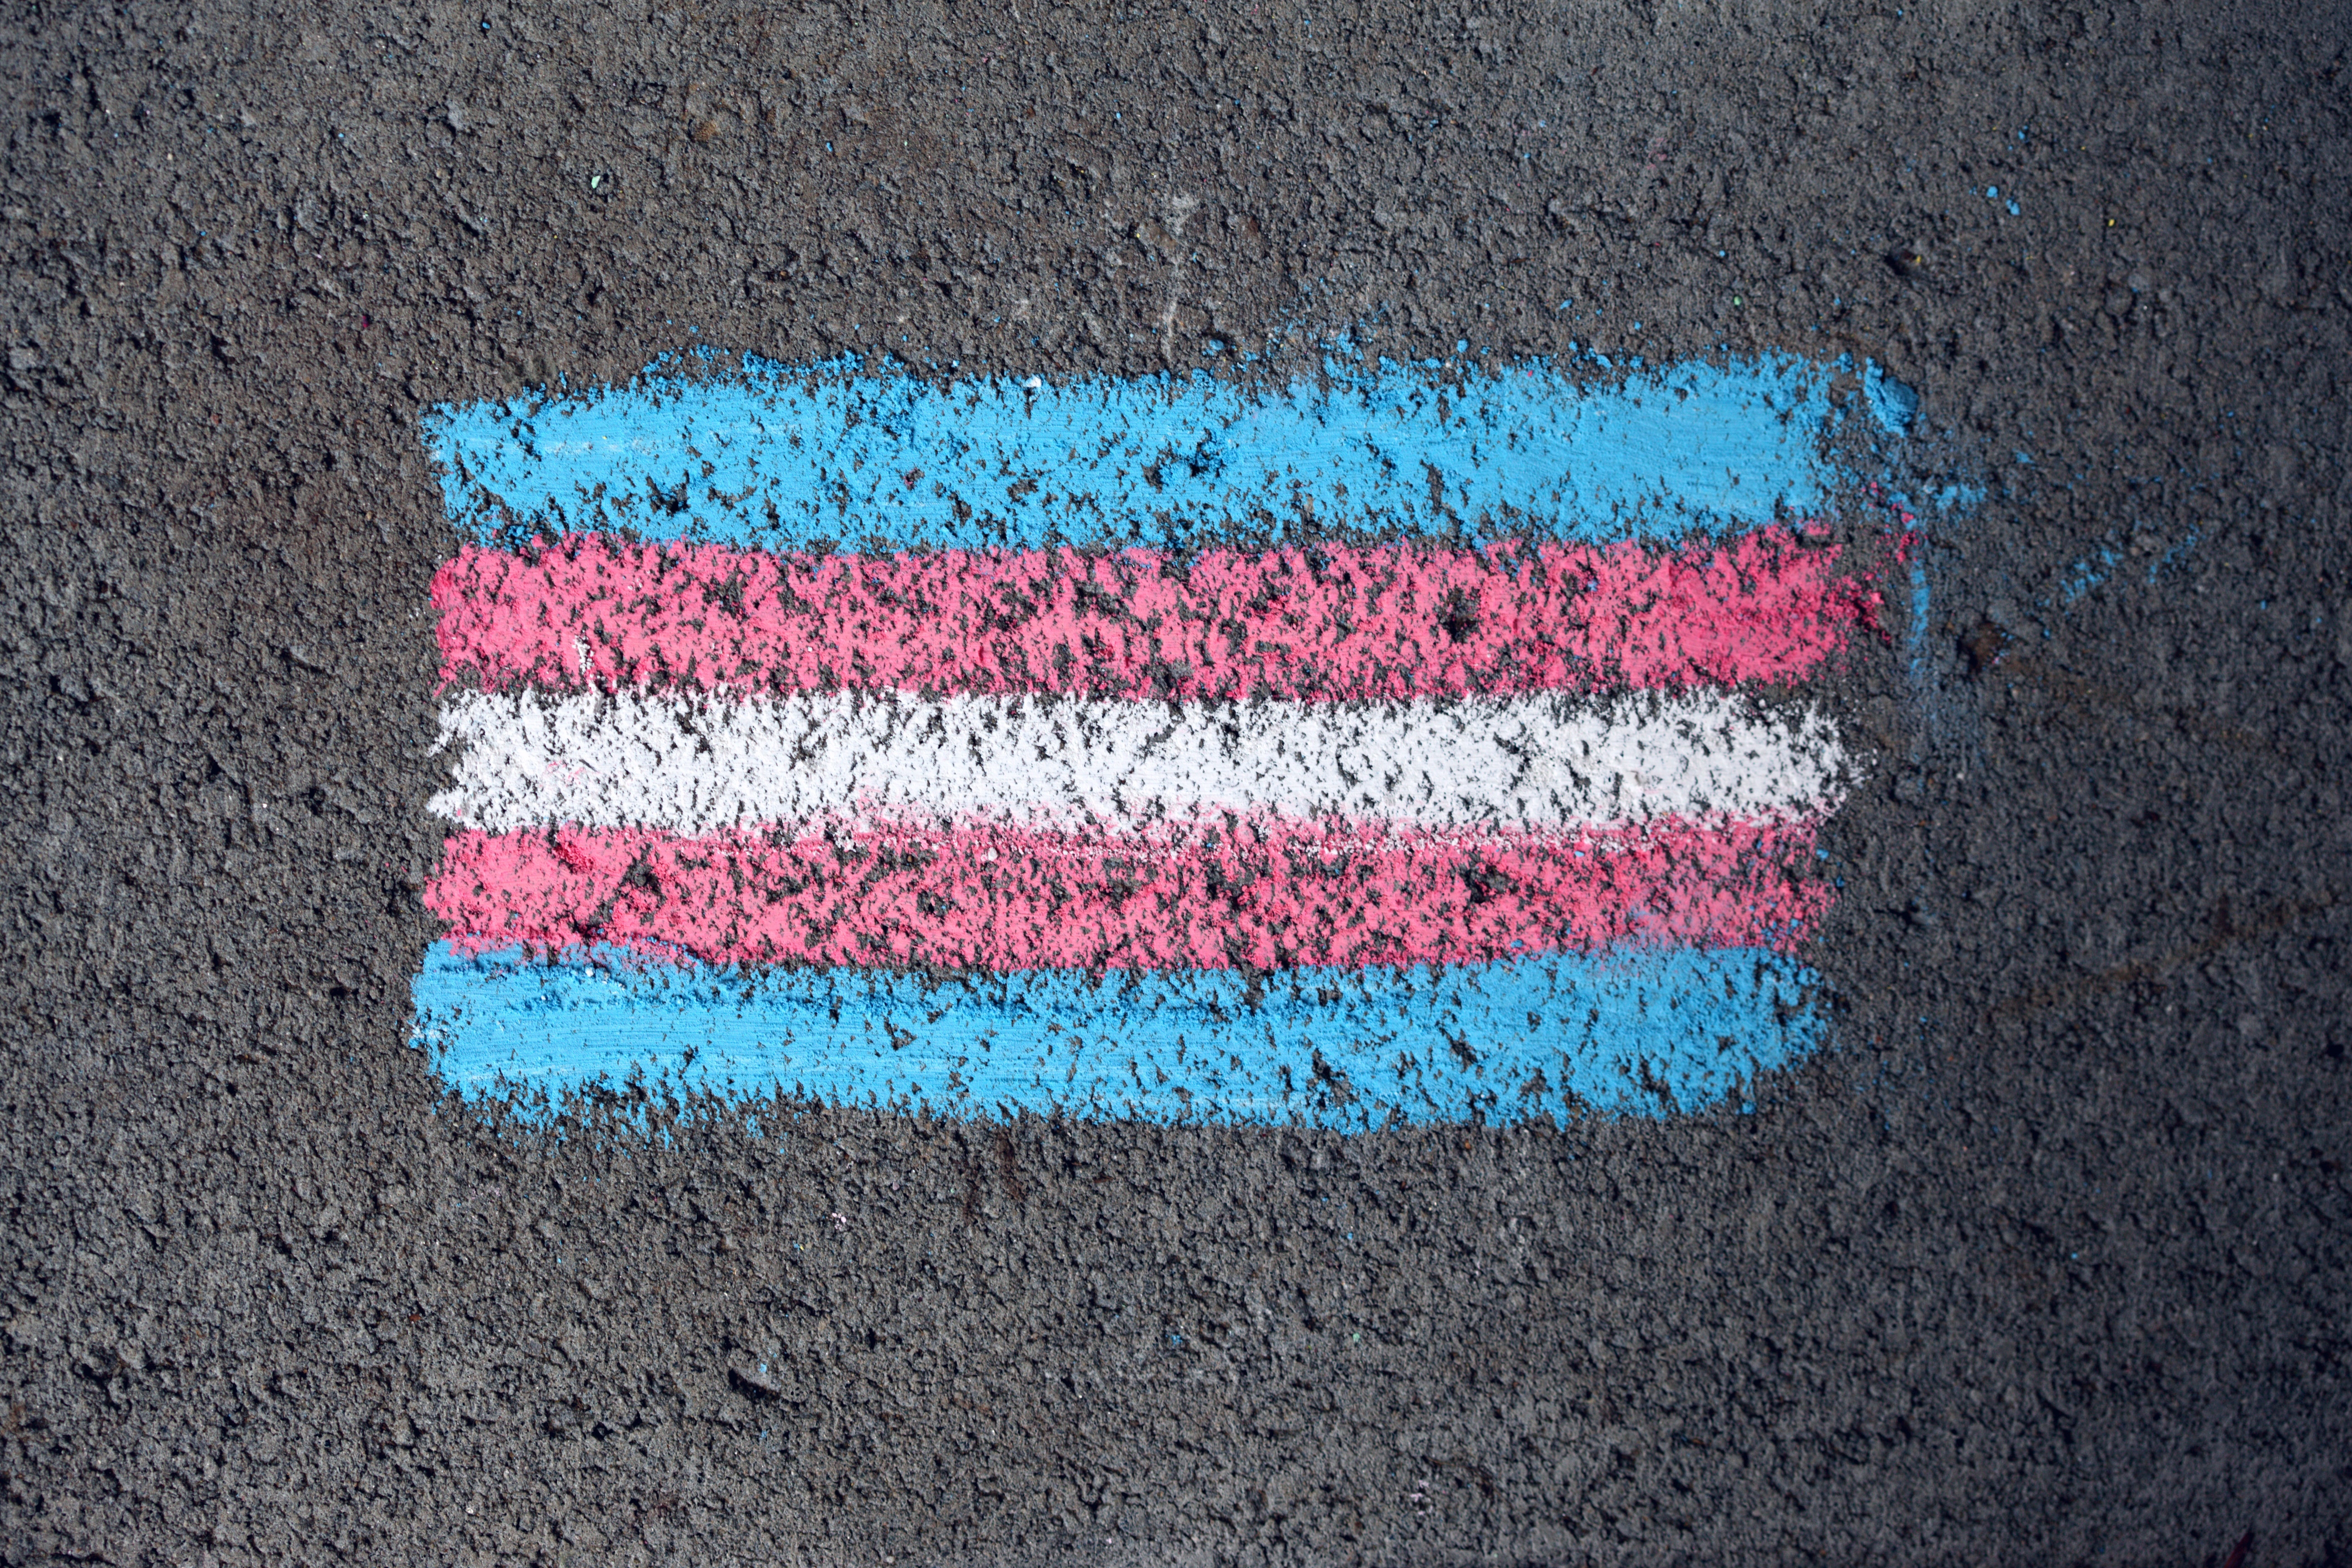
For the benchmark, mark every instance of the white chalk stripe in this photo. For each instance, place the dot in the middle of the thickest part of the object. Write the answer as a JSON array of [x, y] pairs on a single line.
[[693, 764]]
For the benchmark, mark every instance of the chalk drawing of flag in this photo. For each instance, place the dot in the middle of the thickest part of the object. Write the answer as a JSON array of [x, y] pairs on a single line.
[[1378, 748]]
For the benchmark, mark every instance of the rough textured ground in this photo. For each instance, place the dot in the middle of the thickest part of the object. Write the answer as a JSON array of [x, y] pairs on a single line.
[[2046, 1262]]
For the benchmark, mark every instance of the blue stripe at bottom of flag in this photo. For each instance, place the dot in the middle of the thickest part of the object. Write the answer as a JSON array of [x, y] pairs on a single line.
[[1647, 1032]]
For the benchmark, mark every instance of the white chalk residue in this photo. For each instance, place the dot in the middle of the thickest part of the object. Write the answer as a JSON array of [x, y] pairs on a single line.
[[693, 764]]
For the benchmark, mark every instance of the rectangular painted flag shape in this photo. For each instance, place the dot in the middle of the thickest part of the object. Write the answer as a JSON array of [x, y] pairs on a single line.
[[1373, 749]]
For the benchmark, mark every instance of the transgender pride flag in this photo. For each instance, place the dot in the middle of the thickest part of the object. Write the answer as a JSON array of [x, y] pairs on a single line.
[[1381, 747]]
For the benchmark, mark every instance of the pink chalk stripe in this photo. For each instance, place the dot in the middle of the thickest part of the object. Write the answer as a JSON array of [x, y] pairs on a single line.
[[1331, 622], [1263, 893]]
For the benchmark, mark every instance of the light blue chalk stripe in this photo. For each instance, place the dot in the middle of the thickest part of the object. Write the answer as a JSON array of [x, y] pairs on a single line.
[[824, 455], [1647, 1033]]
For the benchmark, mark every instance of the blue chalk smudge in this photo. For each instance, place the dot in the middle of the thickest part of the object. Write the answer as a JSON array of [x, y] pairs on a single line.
[[1916, 639], [778, 456], [1892, 404], [2174, 556], [2096, 568], [1644, 1033], [2087, 576]]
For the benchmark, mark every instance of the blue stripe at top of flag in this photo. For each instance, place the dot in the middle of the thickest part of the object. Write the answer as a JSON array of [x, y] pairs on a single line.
[[1644, 1032], [826, 456]]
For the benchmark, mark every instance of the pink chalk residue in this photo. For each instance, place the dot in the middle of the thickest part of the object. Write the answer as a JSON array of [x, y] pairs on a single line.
[[1261, 893], [1328, 622]]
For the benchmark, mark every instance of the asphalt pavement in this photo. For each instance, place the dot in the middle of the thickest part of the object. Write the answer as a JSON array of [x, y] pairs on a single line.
[[2038, 1254]]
